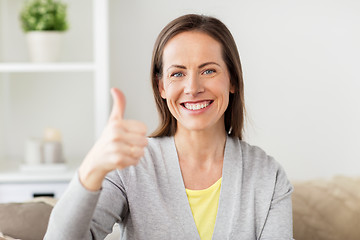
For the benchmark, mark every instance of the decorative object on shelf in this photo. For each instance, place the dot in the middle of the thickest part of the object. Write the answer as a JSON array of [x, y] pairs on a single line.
[[52, 147], [44, 154], [33, 151], [44, 22]]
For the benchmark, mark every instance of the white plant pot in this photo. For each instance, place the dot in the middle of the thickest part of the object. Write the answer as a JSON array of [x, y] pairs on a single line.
[[44, 46]]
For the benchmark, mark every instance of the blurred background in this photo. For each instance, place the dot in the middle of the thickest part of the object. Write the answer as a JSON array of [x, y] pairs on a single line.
[[300, 62]]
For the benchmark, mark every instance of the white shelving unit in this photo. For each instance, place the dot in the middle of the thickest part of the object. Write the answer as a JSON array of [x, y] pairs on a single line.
[[50, 67], [10, 175]]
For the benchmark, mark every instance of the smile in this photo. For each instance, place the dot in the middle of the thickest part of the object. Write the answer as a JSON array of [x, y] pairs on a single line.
[[196, 106]]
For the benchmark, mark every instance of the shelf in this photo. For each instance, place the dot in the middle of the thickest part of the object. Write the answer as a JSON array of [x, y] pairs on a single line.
[[93, 65], [47, 67], [12, 173], [20, 177]]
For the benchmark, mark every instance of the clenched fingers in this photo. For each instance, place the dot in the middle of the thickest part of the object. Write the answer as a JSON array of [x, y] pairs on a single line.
[[134, 126], [120, 148]]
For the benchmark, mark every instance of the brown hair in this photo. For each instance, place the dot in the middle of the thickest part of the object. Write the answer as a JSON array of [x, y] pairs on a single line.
[[235, 112]]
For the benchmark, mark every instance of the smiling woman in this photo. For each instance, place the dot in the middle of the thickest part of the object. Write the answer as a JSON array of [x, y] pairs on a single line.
[[194, 178], [222, 45], [196, 83]]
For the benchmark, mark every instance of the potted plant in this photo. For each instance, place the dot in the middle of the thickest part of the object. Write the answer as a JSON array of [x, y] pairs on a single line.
[[44, 22]]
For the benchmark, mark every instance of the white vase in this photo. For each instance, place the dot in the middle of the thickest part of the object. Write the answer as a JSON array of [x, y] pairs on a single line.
[[44, 46]]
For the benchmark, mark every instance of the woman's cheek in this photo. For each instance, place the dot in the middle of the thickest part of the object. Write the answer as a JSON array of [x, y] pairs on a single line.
[[173, 88]]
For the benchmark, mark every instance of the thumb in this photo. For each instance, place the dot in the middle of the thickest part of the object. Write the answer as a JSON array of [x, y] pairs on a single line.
[[119, 102]]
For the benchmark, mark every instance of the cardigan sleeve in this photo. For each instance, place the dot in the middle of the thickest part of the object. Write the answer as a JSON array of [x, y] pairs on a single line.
[[279, 224], [112, 207], [82, 214]]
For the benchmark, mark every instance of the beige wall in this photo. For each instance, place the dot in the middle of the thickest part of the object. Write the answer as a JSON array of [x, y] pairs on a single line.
[[300, 61]]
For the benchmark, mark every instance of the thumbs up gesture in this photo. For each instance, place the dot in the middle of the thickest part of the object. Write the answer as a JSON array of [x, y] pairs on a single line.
[[121, 145]]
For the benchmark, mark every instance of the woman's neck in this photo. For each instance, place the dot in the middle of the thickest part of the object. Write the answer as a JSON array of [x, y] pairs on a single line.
[[200, 148]]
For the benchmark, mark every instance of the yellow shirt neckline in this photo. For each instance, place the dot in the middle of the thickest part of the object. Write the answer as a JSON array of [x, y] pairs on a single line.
[[203, 191], [204, 206]]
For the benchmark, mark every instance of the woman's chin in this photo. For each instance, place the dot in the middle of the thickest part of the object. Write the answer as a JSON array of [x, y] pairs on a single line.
[[197, 126]]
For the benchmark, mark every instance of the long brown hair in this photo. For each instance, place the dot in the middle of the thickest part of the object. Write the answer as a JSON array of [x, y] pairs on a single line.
[[235, 112]]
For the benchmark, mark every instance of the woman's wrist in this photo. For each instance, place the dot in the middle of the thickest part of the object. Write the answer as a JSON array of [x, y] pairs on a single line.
[[91, 178]]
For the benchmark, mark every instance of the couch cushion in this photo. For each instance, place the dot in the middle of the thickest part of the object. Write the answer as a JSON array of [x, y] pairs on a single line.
[[3, 237], [27, 221], [327, 209]]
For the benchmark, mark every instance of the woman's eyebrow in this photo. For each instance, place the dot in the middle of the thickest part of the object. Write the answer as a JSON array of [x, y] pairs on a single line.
[[200, 66], [208, 63], [176, 66]]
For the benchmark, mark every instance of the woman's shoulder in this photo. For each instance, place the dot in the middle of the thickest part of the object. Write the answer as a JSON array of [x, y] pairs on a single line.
[[260, 169], [160, 145], [152, 162], [159, 140], [157, 152], [247, 151], [255, 159]]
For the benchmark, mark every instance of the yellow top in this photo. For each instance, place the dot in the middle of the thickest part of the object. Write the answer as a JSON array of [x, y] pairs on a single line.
[[204, 206]]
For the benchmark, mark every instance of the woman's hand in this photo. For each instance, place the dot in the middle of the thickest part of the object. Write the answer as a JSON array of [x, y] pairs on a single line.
[[121, 145]]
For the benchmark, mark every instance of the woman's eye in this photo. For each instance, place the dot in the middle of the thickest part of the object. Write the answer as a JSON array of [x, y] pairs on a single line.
[[209, 71], [178, 74]]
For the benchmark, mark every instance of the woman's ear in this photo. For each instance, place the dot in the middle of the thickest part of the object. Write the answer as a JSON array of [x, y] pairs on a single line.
[[232, 89], [161, 88]]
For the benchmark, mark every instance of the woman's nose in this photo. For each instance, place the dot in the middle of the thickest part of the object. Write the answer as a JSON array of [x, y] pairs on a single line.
[[193, 85]]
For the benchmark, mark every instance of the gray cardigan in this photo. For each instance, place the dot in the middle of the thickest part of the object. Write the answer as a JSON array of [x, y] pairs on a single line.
[[149, 200]]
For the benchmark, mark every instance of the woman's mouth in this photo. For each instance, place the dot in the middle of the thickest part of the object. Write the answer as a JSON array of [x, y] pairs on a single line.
[[197, 105]]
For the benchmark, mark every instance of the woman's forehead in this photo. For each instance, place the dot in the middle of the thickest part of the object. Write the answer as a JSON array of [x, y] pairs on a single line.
[[192, 47]]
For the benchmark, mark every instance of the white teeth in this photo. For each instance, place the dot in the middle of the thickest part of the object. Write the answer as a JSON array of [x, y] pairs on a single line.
[[196, 106]]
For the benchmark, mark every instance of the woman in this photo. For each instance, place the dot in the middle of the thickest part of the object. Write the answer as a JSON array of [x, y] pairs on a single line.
[[194, 178]]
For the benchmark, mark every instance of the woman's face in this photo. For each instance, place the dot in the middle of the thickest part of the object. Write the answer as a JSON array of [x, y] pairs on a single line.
[[195, 81]]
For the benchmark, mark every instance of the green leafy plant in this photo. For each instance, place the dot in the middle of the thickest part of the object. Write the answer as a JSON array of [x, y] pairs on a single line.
[[44, 15]]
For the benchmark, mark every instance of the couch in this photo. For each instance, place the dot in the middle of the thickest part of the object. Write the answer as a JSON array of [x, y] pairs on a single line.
[[323, 209], [327, 209]]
